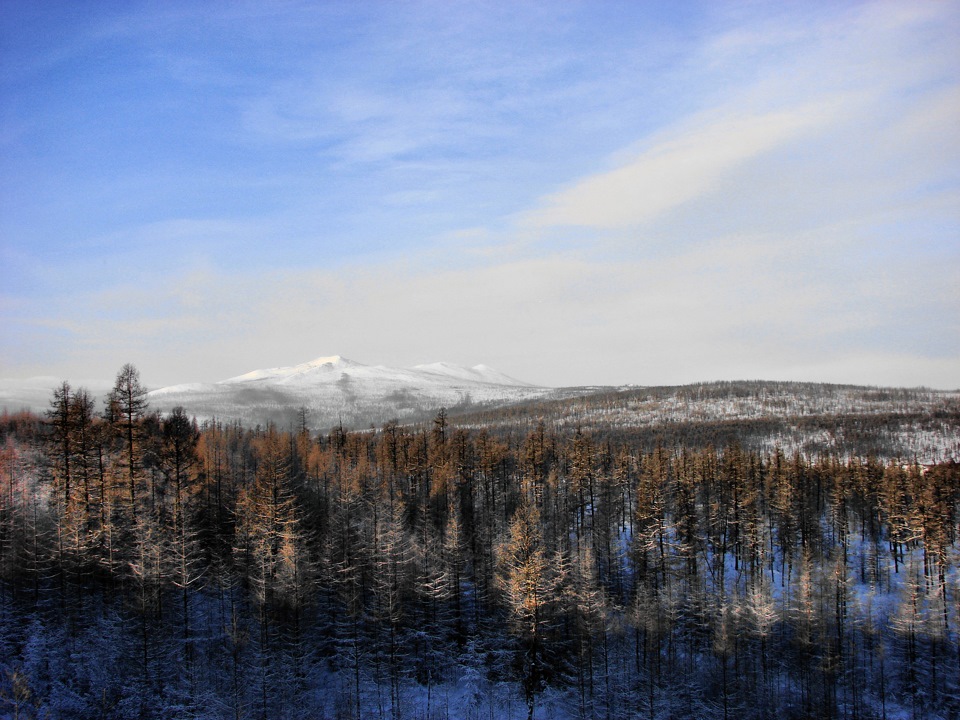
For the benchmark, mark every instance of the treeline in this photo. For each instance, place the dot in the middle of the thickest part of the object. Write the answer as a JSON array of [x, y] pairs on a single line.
[[151, 567]]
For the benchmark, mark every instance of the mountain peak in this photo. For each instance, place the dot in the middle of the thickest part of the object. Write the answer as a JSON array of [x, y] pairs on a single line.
[[328, 360]]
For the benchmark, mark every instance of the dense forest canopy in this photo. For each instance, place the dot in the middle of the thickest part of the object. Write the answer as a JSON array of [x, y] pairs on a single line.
[[151, 566]]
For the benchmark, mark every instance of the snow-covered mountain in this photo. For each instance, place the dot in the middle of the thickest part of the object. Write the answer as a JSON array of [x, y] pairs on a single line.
[[334, 368], [334, 389]]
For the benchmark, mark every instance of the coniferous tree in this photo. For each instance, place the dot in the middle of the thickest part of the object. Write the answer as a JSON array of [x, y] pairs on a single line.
[[126, 408], [178, 460], [529, 580]]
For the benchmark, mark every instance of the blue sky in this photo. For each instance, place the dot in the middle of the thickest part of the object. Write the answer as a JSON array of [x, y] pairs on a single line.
[[574, 193]]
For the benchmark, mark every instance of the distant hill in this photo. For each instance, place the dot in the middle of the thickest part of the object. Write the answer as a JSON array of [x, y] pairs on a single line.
[[815, 418]]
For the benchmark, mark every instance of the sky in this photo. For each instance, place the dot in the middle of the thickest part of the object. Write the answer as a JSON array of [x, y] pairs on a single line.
[[574, 193]]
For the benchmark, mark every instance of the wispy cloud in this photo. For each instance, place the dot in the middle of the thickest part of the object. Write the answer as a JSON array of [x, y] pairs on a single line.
[[675, 170]]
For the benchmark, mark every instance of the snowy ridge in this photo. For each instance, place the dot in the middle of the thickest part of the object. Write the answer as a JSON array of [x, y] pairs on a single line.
[[478, 373]]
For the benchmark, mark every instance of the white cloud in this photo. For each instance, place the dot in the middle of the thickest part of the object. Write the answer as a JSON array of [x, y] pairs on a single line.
[[675, 170]]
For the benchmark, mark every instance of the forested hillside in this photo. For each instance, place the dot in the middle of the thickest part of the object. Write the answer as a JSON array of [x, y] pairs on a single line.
[[847, 421], [154, 567]]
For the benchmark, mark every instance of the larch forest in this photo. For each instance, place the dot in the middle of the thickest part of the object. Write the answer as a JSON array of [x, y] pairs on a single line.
[[155, 567]]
